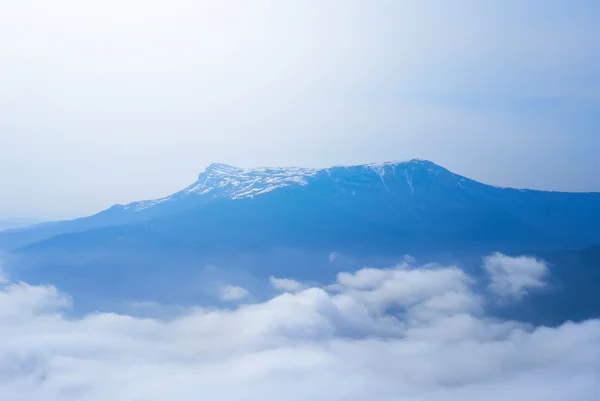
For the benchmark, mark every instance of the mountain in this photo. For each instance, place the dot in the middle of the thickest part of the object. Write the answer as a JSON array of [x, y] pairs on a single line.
[[416, 200], [218, 182], [254, 223]]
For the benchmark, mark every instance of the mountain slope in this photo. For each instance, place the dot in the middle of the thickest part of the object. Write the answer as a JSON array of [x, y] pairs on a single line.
[[217, 182]]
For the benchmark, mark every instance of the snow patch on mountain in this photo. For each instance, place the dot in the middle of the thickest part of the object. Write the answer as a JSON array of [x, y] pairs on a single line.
[[238, 183], [409, 182]]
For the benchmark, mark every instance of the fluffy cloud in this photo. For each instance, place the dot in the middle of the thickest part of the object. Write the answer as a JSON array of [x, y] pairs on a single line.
[[286, 284], [233, 293], [512, 277], [21, 301], [404, 333]]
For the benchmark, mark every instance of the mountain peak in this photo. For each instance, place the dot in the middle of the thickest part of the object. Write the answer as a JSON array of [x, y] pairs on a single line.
[[220, 168], [226, 169], [411, 162], [232, 182], [221, 180]]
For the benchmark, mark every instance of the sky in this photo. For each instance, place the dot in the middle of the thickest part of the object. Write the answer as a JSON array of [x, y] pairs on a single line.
[[337, 341], [116, 101]]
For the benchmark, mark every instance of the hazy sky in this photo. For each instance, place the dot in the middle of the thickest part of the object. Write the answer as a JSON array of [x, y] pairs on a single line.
[[113, 101]]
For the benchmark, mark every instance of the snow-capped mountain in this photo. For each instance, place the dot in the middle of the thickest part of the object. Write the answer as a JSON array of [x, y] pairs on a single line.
[[413, 200], [229, 182], [221, 181], [237, 183]]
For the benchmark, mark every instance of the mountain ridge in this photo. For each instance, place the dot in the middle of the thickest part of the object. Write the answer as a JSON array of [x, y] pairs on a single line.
[[247, 181], [416, 196]]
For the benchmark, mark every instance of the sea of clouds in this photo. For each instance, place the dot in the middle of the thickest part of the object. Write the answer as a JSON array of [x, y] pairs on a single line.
[[408, 332]]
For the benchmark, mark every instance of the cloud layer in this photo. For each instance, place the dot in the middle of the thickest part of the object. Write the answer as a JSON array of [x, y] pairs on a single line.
[[404, 333]]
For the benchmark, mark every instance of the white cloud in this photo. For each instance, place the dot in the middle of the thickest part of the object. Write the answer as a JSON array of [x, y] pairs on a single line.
[[397, 334], [233, 293], [21, 300], [286, 284], [512, 277]]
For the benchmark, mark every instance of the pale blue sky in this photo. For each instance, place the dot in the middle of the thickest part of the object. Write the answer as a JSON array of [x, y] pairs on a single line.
[[114, 101]]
